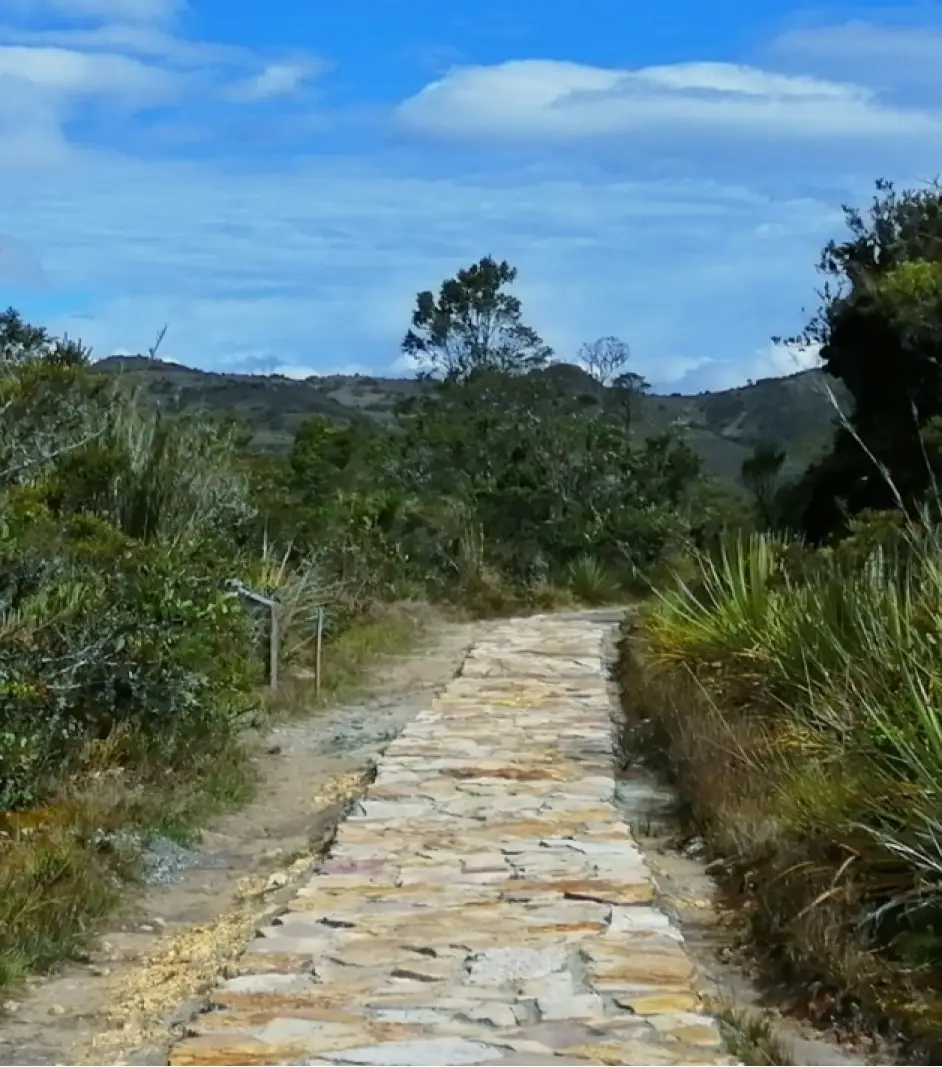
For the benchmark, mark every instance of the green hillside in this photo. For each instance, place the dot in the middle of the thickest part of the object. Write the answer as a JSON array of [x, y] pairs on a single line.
[[794, 412]]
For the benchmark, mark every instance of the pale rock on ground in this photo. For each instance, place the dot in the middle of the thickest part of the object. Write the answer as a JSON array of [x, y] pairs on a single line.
[[485, 903]]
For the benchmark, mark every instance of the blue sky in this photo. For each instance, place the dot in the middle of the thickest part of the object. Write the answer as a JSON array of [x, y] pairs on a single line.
[[276, 181]]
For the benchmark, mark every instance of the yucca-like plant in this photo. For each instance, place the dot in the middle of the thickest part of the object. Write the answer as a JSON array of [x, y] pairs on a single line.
[[847, 653], [724, 608], [178, 479], [591, 581], [302, 591]]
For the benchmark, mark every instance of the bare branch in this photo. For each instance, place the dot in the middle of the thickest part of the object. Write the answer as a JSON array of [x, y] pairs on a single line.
[[35, 461]]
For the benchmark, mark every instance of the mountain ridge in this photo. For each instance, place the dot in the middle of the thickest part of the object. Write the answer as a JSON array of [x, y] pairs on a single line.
[[792, 412]]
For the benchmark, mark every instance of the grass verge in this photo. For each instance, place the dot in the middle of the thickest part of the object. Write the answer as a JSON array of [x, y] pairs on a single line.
[[750, 1038], [350, 660], [795, 699], [64, 868]]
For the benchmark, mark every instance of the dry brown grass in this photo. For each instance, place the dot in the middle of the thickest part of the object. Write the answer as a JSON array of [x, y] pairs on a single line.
[[800, 910]]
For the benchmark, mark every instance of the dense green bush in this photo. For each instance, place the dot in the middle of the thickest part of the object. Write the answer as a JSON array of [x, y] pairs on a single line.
[[101, 634], [116, 533]]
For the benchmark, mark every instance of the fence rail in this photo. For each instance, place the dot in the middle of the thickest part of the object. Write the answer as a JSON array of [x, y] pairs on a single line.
[[274, 607]]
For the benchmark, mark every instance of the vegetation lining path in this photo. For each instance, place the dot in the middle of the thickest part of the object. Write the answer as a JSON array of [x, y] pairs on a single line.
[[484, 903]]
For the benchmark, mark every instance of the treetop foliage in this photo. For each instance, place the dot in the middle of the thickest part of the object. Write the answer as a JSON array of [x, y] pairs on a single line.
[[473, 325]]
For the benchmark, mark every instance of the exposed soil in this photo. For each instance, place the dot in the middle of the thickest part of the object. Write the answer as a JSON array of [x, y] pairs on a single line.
[[148, 970]]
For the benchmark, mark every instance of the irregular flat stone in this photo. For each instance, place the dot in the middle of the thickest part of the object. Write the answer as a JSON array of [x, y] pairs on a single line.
[[497, 966], [484, 904], [270, 983], [626, 921], [430, 1052], [529, 1059], [550, 987], [658, 1001], [579, 1006], [688, 1027], [646, 966], [492, 1014]]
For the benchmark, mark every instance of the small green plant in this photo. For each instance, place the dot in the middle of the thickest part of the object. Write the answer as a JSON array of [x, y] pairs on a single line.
[[591, 581], [751, 1039]]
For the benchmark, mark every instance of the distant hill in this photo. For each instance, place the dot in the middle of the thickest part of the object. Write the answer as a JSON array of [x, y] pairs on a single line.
[[793, 413]]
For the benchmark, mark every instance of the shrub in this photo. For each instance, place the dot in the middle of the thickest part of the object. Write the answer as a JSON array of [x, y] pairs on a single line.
[[99, 633], [590, 581]]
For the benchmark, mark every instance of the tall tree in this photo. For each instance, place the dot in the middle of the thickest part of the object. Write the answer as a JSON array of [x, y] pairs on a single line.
[[605, 359], [880, 332], [473, 325], [628, 388]]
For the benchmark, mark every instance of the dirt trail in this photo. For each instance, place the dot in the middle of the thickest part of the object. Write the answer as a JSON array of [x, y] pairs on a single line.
[[148, 970]]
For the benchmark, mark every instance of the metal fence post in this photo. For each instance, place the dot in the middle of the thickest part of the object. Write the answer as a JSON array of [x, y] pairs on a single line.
[[274, 644], [317, 652], [274, 635]]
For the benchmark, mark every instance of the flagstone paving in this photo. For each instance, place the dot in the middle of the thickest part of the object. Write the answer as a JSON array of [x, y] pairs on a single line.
[[484, 903]]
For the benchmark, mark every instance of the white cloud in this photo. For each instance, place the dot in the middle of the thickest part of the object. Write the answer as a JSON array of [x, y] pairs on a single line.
[[404, 366], [888, 54], [317, 265], [902, 59], [274, 80], [153, 40], [770, 360], [568, 101], [785, 358], [141, 39], [303, 264], [76, 74], [129, 49]]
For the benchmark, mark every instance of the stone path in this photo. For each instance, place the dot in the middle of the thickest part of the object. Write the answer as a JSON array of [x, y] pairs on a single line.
[[484, 904]]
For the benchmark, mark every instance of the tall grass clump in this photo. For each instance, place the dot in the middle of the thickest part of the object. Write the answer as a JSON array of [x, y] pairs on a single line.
[[796, 696]]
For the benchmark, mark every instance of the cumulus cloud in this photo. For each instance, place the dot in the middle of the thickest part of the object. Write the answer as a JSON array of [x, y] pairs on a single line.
[[569, 101], [42, 89], [129, 51], [769, 360], [784, 358]]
